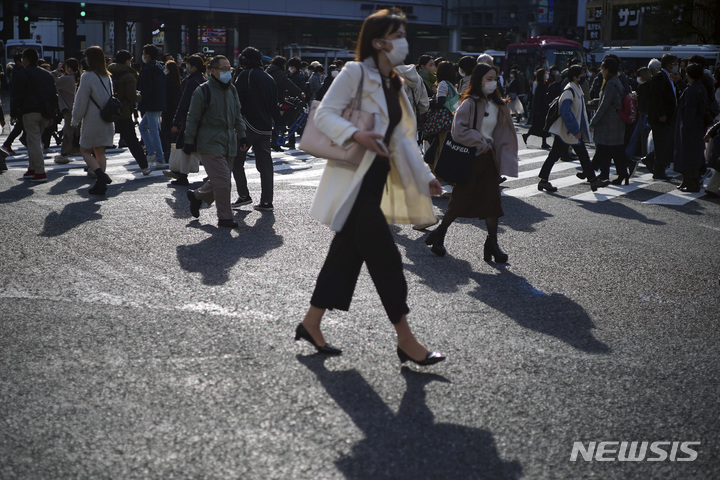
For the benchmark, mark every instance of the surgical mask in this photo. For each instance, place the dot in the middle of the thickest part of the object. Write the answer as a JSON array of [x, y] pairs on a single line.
[[489, 87], [145, 59], [292, 70], [462, 73], [639, 80], [400, 50], [675, 69], [547, 76], [334, 73], [225, 77], [167, 71]]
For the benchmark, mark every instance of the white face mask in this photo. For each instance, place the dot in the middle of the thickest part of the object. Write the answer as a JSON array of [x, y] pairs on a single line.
[[547, 76], [400, 50], [334, 73], [462, 73], [145, 59], [639, 80], [489, 87], [674, 69]]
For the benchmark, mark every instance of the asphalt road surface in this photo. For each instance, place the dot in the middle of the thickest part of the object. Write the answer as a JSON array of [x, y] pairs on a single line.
[[139, 342]]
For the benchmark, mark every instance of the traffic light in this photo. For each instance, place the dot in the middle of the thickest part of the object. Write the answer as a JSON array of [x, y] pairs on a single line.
[[25, 15], [82, 9]]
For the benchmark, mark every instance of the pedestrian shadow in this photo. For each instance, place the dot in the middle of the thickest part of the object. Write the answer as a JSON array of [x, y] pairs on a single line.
[[17, 192], [72, 215], [619, 210], [409, 443], [550, 314], [70, 182], [442, 275], [215, 256]]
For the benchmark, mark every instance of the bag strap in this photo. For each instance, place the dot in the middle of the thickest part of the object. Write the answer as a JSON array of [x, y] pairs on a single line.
[[356, 104], [103, 84], [475, 116]]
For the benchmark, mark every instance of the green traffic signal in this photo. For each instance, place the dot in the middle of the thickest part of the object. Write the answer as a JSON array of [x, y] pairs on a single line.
[[82, 14], [26, 19]]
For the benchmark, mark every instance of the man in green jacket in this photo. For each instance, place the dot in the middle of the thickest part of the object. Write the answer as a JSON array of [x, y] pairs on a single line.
[[214, 128]]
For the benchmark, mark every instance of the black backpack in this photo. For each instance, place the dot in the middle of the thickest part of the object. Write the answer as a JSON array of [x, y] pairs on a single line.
[[554, 111], [112, 109]]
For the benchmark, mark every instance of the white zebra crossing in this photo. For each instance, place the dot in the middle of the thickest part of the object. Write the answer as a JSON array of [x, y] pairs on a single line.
[[299, 169]]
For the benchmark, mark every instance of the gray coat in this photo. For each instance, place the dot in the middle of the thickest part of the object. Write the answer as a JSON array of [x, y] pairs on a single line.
[[609, 127], [95, 132]]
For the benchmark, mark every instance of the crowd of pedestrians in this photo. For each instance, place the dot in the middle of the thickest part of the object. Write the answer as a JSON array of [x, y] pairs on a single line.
[[193, 112]]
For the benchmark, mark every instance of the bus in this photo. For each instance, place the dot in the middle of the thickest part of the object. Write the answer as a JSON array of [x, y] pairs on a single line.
[[15, 47], [542, 52], [638, 56]]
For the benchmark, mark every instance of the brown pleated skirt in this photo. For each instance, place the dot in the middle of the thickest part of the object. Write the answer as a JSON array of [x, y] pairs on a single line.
[[480, 196]]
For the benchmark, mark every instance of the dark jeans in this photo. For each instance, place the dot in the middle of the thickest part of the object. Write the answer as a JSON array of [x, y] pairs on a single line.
[[15, 132], [559, 148], [663, 138], [126, 129], [263, 163], [603, 155], [365, 237]]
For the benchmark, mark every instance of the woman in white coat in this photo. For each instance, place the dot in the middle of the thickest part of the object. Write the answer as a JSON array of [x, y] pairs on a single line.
[[358, 203], [95, 134]]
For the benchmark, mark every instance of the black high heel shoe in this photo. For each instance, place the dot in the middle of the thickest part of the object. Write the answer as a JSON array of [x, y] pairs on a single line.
[[430, 359], [327, 349], [525, 137], [492, 249], [435, 239]]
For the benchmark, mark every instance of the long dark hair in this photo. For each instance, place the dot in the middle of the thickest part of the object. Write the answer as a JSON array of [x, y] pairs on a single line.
[[377, 25], [173, 71], [95, 57], [75, 65], [475, 87]]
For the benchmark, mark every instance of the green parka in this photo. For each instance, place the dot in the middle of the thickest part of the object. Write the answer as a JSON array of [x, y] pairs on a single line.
[[219, 128]]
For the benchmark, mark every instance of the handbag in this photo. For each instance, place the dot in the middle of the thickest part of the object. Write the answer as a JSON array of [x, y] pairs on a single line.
[[438, 120], [456, 160], [315, 142], [111, 111], [182, 162]]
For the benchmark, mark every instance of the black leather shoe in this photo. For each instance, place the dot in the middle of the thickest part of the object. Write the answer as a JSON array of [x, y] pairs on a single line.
[[327, 349], [227, 223], [430, 359], [660, 176], [545, 185], [436, 239], [195, 204]]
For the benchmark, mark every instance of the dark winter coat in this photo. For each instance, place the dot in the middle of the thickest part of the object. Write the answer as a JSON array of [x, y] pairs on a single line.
[[258, 98], [173, 92], [32, 91], [152, 88], [690, 129], [540, 106], [285, 87], [125, 80], [188, 86], [662, 100], [609, 127]]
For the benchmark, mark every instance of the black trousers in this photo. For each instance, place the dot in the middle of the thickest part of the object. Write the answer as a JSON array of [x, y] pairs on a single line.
[[263, 163], [560, 148], [126, 129], [663, 138], [603, 155], [365, 238]]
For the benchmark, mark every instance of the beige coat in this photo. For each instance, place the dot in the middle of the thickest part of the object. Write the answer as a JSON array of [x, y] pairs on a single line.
[[406, 198], [504, 142]]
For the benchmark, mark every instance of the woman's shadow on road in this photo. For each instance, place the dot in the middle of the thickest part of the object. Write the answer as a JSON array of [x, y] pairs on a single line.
[[409, 444]]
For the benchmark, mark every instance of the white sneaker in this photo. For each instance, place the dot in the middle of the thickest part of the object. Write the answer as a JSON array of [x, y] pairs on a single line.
[[423, 226], [162, 165], [62, 159], [150, 168]]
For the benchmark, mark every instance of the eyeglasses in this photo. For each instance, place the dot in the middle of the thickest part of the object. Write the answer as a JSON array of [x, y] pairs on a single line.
[[222, 69]]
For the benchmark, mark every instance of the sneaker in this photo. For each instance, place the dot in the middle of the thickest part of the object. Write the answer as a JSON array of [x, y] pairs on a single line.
[[8, 150], [62, 159], [29, 174], [150, 168], [241, 201], [170, 174], [264, 207], [227, 223], [38, 178], [159, 165]]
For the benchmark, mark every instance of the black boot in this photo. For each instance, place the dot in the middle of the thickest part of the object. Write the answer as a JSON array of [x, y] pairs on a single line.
[[182, 179], [491, 249], [99, 188], [436, 240], [100, 175]]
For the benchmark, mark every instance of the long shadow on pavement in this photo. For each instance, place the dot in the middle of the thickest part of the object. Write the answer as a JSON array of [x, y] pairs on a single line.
[[408, 444], [550, 314], [215, 256], [73, 215]]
